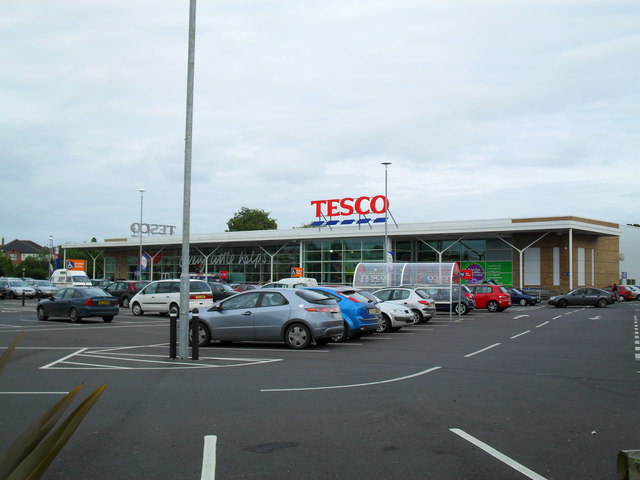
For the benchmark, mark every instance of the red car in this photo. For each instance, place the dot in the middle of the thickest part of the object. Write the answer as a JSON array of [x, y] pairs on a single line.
[[623, 292], [494, 298]]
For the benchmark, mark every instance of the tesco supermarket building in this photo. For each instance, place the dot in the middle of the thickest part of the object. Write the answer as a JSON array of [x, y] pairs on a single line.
[[550, 253]]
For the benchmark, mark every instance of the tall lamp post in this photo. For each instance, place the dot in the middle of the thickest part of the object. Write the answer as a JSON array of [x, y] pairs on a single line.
[[141, 190], [386, 217], [50, 254]]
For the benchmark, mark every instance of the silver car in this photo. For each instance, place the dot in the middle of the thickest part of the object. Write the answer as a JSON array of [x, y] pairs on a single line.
[[296, 317], [43, 288], [417, 300], [392, 317], [18, 287]]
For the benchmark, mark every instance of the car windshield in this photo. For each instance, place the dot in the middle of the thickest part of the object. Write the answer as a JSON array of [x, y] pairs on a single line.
[[17, 283], [44, 283], [517, 291]]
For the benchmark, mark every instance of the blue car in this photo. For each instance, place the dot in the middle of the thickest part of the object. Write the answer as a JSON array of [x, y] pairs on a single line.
[[521, 298], [359, 315]]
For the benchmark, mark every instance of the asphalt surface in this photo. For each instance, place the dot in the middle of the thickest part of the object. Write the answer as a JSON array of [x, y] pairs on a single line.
[[533, 392]]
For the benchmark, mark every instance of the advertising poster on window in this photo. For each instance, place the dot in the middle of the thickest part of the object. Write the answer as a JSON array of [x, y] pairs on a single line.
[[481, 272]]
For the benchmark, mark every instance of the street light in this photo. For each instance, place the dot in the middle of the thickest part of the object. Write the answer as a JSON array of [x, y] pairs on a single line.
[[50, 254], [141, 190], [386, 215]]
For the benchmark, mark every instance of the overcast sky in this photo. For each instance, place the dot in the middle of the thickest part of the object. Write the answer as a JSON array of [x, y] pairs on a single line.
[[492, 109]]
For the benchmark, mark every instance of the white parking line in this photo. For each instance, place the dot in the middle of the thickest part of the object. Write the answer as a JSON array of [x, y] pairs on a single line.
[[482, 350], [520, 334], [542, 324], [209, 458], [496, 454], [354, 385]]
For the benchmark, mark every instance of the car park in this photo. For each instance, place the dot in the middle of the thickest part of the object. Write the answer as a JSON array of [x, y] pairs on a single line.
[[416, 299], [392, 317], [125, 290], [220, 290], [162, 296], [583, 296], [43, 288], [455, 298], [521, 298], [494, 298], [76, 303], [16, 288], [296, 317], [360, 316]]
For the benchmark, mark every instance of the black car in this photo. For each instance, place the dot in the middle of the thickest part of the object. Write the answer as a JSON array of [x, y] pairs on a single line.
[[522, 298], [124, 290], [76, 303], [220, 290], [584, 296]]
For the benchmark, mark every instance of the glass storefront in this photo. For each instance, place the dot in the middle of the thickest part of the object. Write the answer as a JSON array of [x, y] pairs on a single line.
[[331, 261]]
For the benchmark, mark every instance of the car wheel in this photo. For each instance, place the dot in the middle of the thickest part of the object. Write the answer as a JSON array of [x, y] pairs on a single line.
[[297, 336], [204, 335], [343, 336], [136, 309], [126, 302], [562, 303], [41, 314], [74, 315], [493, 306], [417, 316], [461, 309], [523, 302], [11, 294], [108, 318], [384, 325], [602, 303], [175, 307], [620, 298]]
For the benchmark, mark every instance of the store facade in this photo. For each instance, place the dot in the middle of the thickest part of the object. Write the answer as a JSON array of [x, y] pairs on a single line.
[[551, 253]]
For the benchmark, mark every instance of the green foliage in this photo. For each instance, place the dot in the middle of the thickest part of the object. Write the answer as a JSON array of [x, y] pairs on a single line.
[[6, 267], [36, 447], [34, 267], [86, 255], [251, 219]]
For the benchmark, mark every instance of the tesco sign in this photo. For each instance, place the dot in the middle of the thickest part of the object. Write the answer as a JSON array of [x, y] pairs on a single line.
[[348, 206]]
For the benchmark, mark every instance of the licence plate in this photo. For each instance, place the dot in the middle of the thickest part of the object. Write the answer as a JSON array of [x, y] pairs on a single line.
[[373, 311], [337, 315], [104, 302]]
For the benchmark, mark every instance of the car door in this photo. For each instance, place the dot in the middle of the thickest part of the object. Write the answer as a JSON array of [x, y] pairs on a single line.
[[55, 307], [234, 317], [482, 295], [579, 297], [64, 303], [270, 315], [147, 297]]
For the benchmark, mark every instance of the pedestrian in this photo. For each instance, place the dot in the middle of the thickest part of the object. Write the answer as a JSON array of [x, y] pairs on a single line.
[[614, 290]]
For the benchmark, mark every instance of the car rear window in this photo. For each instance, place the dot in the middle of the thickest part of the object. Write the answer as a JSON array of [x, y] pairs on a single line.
[[356, 296], [315, 297], [503, 290], [199, 287], [423, 294]]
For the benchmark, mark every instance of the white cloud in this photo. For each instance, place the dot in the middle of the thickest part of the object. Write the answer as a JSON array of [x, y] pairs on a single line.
[[494, 109]]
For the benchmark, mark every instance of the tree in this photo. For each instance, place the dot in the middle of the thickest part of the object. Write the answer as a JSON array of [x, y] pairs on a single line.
[[251, 219], [6, 267]]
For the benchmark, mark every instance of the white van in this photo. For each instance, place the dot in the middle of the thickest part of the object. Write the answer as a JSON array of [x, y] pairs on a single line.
[[294, 282], [70, 278], [162, 296]]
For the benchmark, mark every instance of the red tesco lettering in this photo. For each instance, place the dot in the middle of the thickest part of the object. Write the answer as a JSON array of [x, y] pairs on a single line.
[[336, 207]]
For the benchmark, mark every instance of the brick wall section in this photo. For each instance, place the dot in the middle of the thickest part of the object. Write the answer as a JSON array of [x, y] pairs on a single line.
[[606, 259]]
